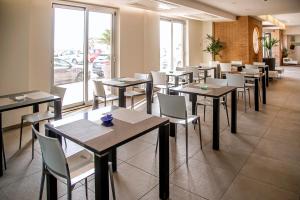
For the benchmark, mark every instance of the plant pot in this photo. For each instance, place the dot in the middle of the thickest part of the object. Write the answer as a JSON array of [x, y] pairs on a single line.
[[270, 62]]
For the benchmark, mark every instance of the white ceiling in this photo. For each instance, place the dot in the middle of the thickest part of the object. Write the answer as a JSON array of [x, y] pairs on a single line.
[[255, 7], [289, 19]]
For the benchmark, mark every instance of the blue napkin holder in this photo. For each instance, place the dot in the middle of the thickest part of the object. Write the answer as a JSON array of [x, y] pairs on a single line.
[[107, 120]]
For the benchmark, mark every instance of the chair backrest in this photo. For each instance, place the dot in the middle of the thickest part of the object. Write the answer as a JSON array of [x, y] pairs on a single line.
[[194, 70], [225, 67], [213, 63], [143, 77], [159, 78], [57, 91], [247, 66], [53, 155], [172, 106], [259, 63], [237, 80], [99, 89], [237, 62], [216, 81], [251, 70]]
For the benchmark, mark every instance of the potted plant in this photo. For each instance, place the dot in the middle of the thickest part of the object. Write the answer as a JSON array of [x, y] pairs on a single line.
[[285, 52], [214, 46], [269, 43]]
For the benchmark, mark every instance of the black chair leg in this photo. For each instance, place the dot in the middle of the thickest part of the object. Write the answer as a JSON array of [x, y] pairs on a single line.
[[4, 157], [86, 188], [200, 133], [204, 110], [32, 146], [156, 145], [226, 109], [21, 133]]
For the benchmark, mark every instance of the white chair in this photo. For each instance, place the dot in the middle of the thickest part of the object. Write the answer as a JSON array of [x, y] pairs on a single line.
[[41, 116], [208, 101], [259, 63], [247, 66], [100, 93], [160, 80], [137, 90], [238, 80], [196, 74], [225, 68], [174, 108], [72, 169], [250, 81]]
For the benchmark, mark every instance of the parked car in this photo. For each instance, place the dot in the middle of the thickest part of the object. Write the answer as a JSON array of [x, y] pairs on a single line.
[[65, 72], [101, 62], [72, 56]]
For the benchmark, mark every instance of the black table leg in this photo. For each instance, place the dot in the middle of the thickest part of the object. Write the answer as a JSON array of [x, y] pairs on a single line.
[[149, 97], [176, 80], [50, 179], [256, 95], [113, 158], [95, 102], [191, 80], [264, 91], [101, 177], [215, 72], [122, 99], [57, 109], [205, 75], [1, 146], [233, 112], [267, 76], [172, 129], [35, 109], [164, 162], [194, 102], [216, 123]]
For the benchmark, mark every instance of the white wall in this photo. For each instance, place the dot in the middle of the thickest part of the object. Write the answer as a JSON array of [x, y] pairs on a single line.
[[197, 41]]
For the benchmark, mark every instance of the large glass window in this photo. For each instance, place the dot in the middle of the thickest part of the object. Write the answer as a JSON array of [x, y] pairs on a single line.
[[83, 50], [171, 44]]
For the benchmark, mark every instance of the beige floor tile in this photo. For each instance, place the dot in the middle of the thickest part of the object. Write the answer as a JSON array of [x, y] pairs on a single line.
[[176, 193], [248, 189], [151, 163], [202, 179], [236, 142], [132, 148], [279, 150], [283, 136], [278, 173], [232, 162], [131, 183]]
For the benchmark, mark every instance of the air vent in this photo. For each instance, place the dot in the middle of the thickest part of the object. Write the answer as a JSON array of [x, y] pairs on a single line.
[[202, 16], [153, 5]]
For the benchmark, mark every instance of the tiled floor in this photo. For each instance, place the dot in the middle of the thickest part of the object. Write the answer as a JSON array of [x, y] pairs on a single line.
[[261, 161]]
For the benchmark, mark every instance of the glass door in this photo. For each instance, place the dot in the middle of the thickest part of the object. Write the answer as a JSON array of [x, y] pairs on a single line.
[[68, 70], [83, 50], [100, 40], [171, 44]]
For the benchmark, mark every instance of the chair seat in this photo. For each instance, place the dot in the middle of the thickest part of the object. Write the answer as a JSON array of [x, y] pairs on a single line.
[[273, 74], [161, 86], [249, 84], [239, 89], [133, 93], [81, 166], [110, 97], [37, 117], [207, 102], [190, 118]]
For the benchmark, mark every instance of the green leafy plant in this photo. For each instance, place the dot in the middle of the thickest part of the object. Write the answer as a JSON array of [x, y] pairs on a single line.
[[285, 52], [269, 43], [214, 47]]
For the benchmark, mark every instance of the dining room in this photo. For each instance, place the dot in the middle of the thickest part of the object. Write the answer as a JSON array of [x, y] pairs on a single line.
[[149, 99]]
